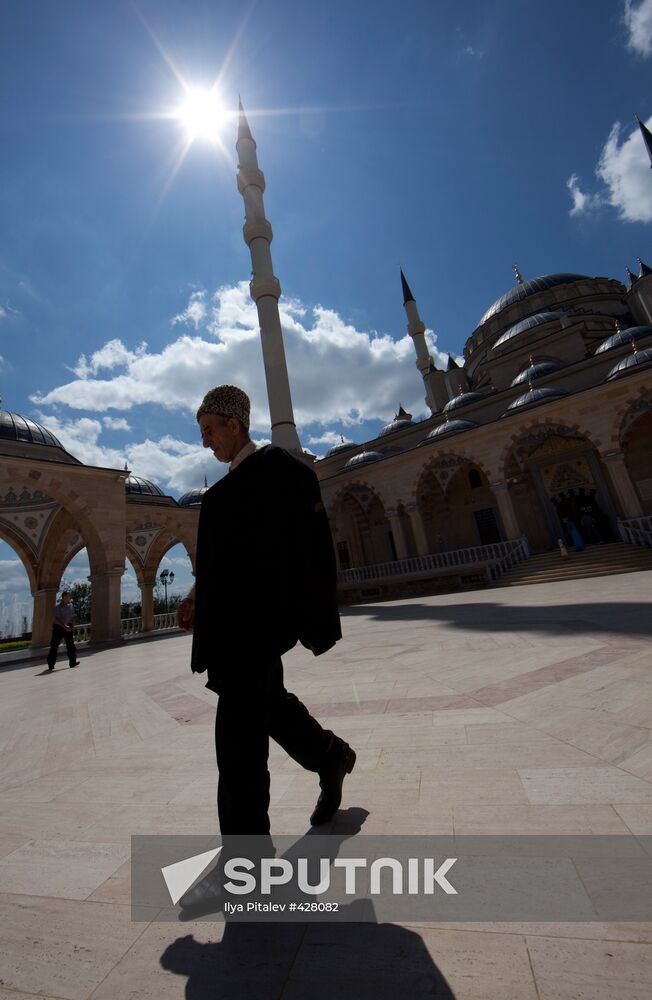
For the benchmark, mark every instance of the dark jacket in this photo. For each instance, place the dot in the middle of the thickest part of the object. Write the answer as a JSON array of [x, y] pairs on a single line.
[[265, 570]]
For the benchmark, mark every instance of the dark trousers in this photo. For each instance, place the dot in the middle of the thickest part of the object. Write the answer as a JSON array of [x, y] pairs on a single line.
[[59, 633], [253, 706]]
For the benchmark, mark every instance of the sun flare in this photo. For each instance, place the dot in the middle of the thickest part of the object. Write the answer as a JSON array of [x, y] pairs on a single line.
[[202, 114]]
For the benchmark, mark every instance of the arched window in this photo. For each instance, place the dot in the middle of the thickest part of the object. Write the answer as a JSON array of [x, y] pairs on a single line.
[[475, 482]]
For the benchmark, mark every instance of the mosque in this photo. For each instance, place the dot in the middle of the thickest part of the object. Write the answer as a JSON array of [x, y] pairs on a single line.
[[542, 433]]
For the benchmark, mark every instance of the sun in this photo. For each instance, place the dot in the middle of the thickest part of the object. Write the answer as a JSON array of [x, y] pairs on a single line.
[[202, 114]]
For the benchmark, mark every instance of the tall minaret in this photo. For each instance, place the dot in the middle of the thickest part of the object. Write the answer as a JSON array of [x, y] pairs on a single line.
[[436, 395], [265, 289]]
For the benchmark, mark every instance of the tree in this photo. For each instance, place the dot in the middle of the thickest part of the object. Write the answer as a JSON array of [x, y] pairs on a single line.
[[80, 593]]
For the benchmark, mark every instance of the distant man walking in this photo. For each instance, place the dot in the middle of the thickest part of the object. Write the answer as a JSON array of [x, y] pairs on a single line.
[[265, 580], [63, 627]]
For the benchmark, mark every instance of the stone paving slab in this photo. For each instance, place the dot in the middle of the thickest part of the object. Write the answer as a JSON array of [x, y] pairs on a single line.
[[524, 710]]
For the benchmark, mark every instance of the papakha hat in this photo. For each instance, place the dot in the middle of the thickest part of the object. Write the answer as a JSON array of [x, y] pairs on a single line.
[[226, 401]]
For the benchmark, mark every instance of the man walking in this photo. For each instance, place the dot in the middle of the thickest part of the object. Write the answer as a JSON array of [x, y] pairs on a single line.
[[265, 580], [63, 627]]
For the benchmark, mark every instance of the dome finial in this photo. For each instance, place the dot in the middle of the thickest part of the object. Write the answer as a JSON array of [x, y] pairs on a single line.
[[126, 467], [631, 279], [618, 325], [643, 269], [519, 276]]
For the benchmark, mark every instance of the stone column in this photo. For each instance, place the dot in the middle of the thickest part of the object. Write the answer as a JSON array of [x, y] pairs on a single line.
[[419, 530], [105, 605], [506, 509], [147, 604], [628, 498], [398, 533], [43, 616]]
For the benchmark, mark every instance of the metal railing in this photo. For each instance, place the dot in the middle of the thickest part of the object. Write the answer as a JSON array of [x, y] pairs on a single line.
[[636, 531], [494, 559]]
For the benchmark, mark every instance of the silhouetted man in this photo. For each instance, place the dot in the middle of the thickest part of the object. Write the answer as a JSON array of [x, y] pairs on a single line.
[[63, 627], [265, 580]]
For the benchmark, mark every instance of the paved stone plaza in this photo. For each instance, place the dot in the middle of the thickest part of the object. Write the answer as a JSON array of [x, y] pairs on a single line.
[[513, 710]]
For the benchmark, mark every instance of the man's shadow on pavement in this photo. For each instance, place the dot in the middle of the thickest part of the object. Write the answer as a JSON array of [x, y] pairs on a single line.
[[360, 959]]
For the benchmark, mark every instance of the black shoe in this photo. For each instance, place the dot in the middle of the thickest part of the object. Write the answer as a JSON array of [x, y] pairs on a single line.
[[205, 897], [340, 760], [50, 668], [76, 664]]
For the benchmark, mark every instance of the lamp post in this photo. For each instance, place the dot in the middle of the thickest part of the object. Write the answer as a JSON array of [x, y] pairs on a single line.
[[166, 577]]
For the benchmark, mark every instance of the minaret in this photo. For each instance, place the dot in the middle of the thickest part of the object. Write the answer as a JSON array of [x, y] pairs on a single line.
[[265, 289], [647, 137], [435, 394]]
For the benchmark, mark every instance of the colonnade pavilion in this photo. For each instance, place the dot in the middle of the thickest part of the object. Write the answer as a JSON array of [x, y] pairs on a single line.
[[548, 421]]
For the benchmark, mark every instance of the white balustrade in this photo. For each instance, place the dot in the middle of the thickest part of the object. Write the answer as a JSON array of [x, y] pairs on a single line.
[[494, 559], [131, 626], [636, 531]]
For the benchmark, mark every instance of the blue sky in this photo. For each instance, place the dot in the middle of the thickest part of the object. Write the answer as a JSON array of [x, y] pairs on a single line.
[[451, 139]]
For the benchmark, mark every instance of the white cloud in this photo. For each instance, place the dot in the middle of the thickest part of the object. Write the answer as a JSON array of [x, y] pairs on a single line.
[[113, 354], [169, 462], [338, 374], [7, 312], [470, 51], [638, 21], [329, 438], [195, 312], [116, 423], [624, 167], [582, 202]]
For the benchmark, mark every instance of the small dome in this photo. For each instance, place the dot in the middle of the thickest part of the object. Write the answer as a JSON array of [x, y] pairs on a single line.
[[13, 427], [624, 337], [192, 498], [136, 486], [25, 433], [538, 319], [363, 458], [464, 399], [541, 395], [450, 427], [519, 292], [536, 371], [401, 420], [337, 449], [630, 362]]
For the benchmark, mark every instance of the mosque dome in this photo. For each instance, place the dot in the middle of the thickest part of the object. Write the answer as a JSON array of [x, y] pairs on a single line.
[[401, 420], [22, 431], [536, 371], [337, 449], [522, 291], [535, 396], [631, 361], [363, 458], [464, 399], [537, 319], [450, 427], [624, 337], [193, 498], [135, 486]]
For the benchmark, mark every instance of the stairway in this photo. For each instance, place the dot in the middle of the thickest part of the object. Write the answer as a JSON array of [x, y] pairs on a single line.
[[594, 560]]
